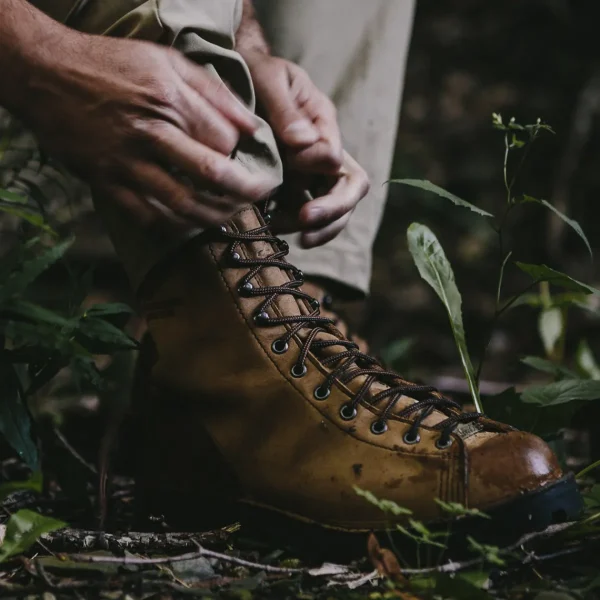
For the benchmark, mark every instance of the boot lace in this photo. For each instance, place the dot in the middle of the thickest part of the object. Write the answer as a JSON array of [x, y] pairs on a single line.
[[347, 364]]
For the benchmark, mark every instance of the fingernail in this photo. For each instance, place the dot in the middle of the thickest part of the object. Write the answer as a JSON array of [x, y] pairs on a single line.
[[301, 132]]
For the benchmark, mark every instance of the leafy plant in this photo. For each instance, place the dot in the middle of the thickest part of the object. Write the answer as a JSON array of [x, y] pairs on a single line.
[[569, 386]]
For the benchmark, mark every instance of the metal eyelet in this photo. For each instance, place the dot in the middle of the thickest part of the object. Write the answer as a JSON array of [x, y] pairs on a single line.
[[244, 290], [441, 446], [315, 304], [298, 371], [279, 346], [223, 229], [267, 218], [411, 439], [321, 393], [378, 427], [348, 412], [283, 246], [261, 318], [298, 274], [235, 257]]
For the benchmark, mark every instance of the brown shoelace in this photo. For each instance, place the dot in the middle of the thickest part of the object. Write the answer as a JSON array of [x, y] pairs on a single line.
[[348, 364]]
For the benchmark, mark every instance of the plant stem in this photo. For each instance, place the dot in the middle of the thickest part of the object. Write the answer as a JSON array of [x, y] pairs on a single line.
[[587, 469]]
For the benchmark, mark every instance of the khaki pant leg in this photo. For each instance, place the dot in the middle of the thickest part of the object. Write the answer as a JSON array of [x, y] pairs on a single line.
[[204, 31], [355, 51]]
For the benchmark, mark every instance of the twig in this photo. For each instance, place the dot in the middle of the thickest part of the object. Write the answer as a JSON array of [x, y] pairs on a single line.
[[73, 540], [454, 567], [65, 443], [202, 552]]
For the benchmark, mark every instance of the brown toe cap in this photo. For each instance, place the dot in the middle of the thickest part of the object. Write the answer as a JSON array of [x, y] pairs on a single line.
[[507, 465]]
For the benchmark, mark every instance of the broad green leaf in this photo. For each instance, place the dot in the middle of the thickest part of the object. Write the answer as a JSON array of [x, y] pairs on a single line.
[[34, 483], [32, 268], [423, 184], [562, 392], [550, 328], [11, 197], [586, 361], [547, 366], [23, 530], [15, 422], [574, 225], [542, 420], [436, 270], [490, 553], [543, 273]]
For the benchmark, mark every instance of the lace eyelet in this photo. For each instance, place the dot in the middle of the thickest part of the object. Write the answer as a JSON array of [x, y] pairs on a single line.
[[223, 229], [298, 274], [411, 438], [283, 246], [348, 412], [261, 318], [267, 218], [298, 371], [322, 393], [378, 427], [235, 257], [244, 290], [279, 347], [315, 304], [447, 444]]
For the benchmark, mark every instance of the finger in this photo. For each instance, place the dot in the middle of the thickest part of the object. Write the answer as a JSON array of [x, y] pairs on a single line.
[[133, 203], [342, 199], [207, 125], [207, 167], [311, 239], [184, 202], [321, 157], [286, 117], [216, 93]]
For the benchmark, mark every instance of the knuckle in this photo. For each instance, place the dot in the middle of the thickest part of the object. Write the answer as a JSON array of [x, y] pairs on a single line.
[[214, 170]]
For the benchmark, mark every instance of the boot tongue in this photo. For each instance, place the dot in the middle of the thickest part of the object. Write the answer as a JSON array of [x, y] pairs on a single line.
[[288, 305]]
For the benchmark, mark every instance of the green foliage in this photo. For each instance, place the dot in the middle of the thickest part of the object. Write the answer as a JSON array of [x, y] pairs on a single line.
[[457, 510], [23, 530], [34, 484], [431, 187], [570, 222], [560, 392], [540, 273], [435, 269], [386, 506]]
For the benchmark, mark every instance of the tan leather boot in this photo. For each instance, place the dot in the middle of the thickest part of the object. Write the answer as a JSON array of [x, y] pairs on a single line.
[[258, 407]]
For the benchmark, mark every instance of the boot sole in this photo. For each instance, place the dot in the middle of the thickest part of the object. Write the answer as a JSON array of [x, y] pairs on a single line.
[[533, 511]]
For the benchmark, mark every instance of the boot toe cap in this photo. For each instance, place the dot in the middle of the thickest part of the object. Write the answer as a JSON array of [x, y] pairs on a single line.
[[508, 465]]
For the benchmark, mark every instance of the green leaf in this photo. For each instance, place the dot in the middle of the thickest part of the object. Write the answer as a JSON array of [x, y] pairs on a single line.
[[489, 553], [542, 420], [458, 587], [561, 392], [436, 270], [547, 366], [543, 273], [33, 218], [431, 187], [570, 222], [23, 530], [101, 337], [15, 422], [34, 483], [11, 197], [32, 268], [586, 361], [455, 509], [397, 351], [111, 309], [384, 505], [550, 327]]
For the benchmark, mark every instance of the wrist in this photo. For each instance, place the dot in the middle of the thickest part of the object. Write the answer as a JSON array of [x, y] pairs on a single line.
[[31, 44]]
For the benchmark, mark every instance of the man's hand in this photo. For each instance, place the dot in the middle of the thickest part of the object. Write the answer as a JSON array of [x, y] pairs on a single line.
[[133, 118], [304, 121]]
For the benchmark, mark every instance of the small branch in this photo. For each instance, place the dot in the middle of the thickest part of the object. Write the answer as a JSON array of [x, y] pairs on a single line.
[[67, 446], [77, 540]]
